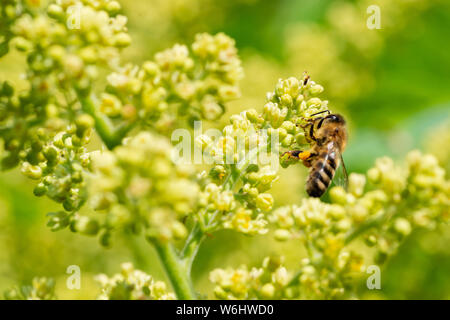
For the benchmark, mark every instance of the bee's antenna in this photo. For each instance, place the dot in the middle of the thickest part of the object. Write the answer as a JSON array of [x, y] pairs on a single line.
[[315, 114]]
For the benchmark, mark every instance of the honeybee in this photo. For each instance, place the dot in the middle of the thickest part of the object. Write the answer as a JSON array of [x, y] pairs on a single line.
[[328, 137]]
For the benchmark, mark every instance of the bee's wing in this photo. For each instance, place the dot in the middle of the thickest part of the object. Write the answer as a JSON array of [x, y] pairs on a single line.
[[341, 175]]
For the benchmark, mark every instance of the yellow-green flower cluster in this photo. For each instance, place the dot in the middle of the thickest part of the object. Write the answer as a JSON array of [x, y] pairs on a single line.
[[40, 289], [399, 199], [58, 161], [216, 200], [68, 43], [247, 156], [132, 284], [270, 281], [65, 50], [322, 228], [424, 200], [193, 83], [139, 187], [23, 123], [58, 164]]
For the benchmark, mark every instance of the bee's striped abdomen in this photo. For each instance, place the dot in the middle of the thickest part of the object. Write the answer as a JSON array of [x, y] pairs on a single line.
[[321, 173]]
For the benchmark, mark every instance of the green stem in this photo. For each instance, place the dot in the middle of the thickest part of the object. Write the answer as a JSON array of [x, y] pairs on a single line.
[[176, 270], [191, 247], [110, 135]]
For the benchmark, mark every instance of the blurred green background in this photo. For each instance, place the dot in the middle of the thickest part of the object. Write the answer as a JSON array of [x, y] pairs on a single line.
[[392, 84]]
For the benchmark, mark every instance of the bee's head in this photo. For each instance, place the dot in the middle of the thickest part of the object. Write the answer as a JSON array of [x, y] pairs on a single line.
[[332, 119], [332, 127], [335, 118]]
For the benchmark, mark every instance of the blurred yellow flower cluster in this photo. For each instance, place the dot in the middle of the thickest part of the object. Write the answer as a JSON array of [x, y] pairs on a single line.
[[132, 284], [181, 83], [139, 187], [63, 59], [39, 289], [266, 282]]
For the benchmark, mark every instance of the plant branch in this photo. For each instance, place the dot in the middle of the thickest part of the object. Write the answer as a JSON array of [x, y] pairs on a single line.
[[192, 246], [175, 269], [110, 135]]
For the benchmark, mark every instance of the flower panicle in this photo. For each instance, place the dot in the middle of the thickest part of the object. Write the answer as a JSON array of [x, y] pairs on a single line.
[[380, 209], [240, 181]]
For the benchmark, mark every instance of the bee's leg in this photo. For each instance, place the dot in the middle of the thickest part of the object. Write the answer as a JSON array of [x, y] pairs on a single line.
[[311, 132], [292, 154], [308, 162], [307, 158], [298, 154], [306, 131]]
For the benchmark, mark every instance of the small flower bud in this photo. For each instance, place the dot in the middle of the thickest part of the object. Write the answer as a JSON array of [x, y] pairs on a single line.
[[288, 126], [89, 54], [268, 291], [110, 105], [57, 52], [179, 230], [288, 141], [32, 172], [252, 115], [315, 89], [122, 40], [358, 212], [356, 184], [402, 226], [300, 138], [300, 98], [86, 226], [113, 7], [211, 110], [150, 68], [282, 235], [370, 240], [314, 102], [338, 195], [22, 44], [373, 175], [264, 201], [83, 123], [73, 65], [218, 172], [40, 190], [55, 11], [286, 100]]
